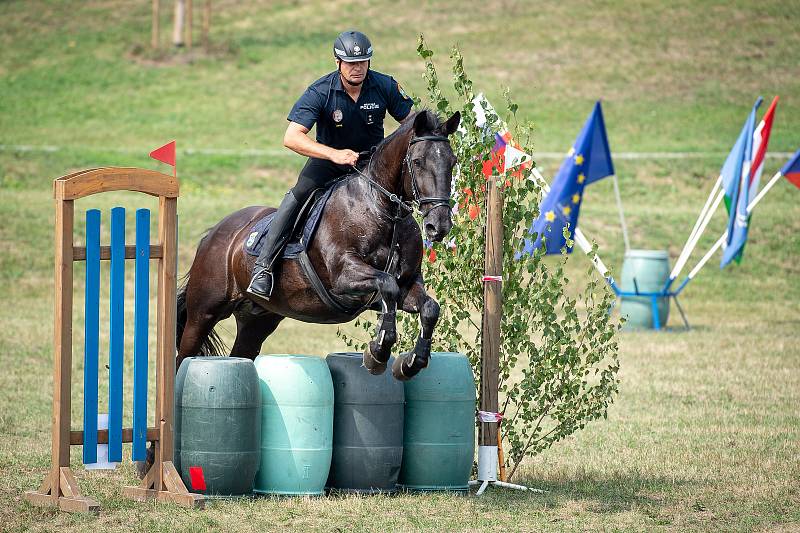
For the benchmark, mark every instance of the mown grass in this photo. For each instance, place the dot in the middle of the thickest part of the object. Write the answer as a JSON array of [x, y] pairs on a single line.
[[704, 434]]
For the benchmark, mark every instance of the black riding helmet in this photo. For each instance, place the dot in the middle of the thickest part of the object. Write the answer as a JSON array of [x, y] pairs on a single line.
[[351, 46]]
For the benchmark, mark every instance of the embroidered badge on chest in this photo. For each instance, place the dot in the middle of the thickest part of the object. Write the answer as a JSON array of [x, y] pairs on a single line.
[[337, 116]]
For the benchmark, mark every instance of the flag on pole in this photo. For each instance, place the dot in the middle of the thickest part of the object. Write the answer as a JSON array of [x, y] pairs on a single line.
[[736, 181], [165, 154], [760, 143], [506, 155], [792, 170], [589, 160]]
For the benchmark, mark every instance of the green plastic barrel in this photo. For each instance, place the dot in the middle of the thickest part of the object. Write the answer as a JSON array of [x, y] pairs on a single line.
[[439, 429], [650, 268], [367, 426], [217, 425], [296, 424]]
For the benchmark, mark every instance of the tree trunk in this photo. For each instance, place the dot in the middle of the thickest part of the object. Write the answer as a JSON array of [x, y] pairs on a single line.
[[155, 28], [189, 24], [177, 28], [206, 24]]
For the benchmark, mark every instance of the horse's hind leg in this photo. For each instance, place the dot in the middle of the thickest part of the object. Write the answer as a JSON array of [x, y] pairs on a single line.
[[207, 303], [253, 326], [418, 301], [199, 326]]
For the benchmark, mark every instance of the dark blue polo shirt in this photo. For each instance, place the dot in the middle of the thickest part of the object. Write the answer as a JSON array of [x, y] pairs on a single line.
[[343, 123]]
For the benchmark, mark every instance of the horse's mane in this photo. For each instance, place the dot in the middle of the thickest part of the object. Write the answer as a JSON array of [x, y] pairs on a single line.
[[434, 122]]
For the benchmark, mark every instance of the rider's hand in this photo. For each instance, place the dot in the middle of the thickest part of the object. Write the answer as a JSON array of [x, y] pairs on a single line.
[[344, 157]]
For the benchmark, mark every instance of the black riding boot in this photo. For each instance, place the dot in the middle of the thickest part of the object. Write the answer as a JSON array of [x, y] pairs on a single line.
[[279, 231]]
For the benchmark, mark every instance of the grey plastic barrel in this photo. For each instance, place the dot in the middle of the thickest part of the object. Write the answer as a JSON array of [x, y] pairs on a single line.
[[439, 429], [217, 424], [297, 424], [367, 426], [650, 269]]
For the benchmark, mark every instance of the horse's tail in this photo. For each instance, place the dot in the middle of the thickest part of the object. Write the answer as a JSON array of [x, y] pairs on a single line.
[[212, 344]]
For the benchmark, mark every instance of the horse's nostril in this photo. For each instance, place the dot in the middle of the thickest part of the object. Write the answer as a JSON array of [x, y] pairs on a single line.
[[430, 229]]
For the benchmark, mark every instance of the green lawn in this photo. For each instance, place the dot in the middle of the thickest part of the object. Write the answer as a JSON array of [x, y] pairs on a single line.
[[705, 433]]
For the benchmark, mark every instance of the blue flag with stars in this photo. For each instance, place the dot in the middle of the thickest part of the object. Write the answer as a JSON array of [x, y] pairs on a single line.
[[589, 160]]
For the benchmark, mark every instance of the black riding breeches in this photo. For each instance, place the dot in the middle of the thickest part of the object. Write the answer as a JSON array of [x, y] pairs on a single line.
[[316, 174]]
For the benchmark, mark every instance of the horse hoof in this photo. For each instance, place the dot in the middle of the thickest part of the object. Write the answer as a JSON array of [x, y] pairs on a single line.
[[373, 366], [397, 370]]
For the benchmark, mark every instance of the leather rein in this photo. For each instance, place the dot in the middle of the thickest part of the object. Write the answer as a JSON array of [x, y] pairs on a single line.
[[418, 201]]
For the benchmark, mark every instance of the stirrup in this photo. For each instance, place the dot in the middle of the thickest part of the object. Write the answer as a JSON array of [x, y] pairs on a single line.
[[262, 291]]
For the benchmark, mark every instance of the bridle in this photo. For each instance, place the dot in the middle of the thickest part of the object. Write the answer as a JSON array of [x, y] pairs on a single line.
[[436, 201], [403, 209], [418, 201]]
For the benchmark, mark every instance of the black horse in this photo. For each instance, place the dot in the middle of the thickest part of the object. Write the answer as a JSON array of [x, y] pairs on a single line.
[[367, 252]]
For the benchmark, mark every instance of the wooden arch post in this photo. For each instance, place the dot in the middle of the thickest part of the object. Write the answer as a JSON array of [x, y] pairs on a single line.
[[162, 481]]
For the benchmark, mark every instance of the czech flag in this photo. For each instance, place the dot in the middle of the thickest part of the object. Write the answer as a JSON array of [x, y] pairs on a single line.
[[792, 170]]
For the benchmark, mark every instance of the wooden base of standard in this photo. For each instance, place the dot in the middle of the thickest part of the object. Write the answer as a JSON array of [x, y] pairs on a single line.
[[66, 496], [175, 492]]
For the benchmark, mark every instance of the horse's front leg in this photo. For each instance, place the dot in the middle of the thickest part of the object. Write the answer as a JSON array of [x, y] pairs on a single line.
[[418, 301], [360, 278]]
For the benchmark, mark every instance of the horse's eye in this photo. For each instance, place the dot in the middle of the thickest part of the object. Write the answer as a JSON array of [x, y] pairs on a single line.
[[417, 162]]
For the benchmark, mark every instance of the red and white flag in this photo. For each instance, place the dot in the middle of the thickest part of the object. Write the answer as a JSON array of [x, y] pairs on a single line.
[[760, 142]]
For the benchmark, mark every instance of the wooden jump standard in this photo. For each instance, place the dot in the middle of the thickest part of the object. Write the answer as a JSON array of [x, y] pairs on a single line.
[[162, 481]]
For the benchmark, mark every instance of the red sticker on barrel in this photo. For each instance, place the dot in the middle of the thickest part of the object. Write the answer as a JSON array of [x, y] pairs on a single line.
[[197, 478]]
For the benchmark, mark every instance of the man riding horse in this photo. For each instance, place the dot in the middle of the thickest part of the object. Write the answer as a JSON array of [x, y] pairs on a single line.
[[348, 106]]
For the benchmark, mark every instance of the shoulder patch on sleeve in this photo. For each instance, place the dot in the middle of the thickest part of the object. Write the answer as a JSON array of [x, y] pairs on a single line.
[[402, 92]]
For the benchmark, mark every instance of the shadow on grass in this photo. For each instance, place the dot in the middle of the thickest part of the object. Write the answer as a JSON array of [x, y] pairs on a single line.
[[601, 493]]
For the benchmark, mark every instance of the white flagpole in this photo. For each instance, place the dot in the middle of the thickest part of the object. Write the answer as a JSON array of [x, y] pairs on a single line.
[[699, 233], [724, 237], [684, 256], [621, 215]]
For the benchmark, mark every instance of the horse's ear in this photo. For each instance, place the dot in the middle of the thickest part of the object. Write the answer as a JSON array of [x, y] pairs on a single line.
[[451, 125], [421, 123]]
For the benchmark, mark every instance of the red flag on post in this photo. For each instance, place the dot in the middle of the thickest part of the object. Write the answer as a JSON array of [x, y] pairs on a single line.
[[165, 154]]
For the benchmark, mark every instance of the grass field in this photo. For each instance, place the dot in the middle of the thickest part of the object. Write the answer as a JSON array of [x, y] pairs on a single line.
[[705, 434]]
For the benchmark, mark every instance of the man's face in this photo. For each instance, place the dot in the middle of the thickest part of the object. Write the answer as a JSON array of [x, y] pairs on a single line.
[[354, 72]]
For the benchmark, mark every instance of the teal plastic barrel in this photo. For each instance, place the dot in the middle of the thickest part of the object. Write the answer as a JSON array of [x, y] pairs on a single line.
[[439, 429], [217, 425], [367, 427], [650, 268], [296, 424]]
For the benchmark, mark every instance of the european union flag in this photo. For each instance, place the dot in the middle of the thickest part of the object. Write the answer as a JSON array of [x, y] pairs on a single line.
[[589, 160]]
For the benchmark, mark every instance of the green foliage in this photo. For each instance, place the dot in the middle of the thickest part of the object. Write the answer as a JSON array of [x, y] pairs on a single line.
[[558, 356]]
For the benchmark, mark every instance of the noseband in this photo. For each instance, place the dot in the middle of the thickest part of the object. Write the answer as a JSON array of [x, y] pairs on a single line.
[[434, 201]]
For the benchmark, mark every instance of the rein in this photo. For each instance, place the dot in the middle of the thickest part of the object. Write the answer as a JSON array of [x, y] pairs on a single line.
[[418, 201]]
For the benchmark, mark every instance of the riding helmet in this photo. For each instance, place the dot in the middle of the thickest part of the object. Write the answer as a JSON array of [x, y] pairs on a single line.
[[352, 46]]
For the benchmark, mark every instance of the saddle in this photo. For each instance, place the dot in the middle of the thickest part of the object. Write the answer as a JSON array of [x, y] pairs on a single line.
[[304, 228]]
